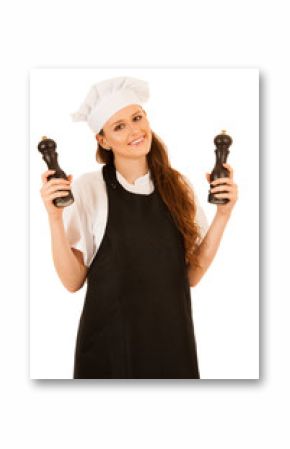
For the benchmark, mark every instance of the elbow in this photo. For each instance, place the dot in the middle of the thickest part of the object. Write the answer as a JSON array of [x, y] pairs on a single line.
[[193, 283], [71, 289], [193, 280], [79, 285], [75, 288], [195, 276]]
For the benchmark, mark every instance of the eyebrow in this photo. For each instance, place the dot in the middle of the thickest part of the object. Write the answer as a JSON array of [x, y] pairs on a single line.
[[137, 112]]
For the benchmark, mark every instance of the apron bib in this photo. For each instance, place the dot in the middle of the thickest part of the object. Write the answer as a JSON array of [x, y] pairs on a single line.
[[136, 321]]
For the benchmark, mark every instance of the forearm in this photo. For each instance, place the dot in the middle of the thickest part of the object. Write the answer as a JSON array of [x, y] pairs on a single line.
[[208, 248], [71, 273]]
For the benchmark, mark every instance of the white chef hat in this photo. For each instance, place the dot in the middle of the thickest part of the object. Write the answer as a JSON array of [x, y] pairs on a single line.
[[109, 96]]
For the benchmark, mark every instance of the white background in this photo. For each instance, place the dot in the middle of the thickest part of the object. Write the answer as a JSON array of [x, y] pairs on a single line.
[[204, 414], [187, 108]]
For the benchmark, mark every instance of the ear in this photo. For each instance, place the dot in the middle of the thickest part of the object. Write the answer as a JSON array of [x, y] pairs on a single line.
[[101, 140]]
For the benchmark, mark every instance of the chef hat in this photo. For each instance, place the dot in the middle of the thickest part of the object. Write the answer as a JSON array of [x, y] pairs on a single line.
[[109, 96]]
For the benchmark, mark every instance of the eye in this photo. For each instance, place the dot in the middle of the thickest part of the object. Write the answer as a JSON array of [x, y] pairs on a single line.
[[119, 126]]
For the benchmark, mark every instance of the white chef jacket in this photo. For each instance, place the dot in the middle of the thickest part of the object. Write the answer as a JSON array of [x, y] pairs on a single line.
[[85, 220]]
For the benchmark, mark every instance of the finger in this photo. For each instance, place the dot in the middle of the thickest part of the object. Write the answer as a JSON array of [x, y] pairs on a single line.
[[57, 188], [58, 181], [56, 195], [46, 174], [222, 181], [49, 194], [229, 168], [228, 196], [55, 184], [223, 188]]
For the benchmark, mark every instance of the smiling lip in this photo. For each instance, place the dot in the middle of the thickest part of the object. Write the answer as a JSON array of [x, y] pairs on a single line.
[[139, 141]]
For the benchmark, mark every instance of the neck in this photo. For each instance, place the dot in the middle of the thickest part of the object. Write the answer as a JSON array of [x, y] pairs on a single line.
[[131, 169]]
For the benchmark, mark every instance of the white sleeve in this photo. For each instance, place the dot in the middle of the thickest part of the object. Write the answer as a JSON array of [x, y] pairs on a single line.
[[200, 216], [201, 219], [77, 223]]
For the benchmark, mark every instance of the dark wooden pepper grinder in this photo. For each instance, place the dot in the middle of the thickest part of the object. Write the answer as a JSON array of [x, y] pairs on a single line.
[[222, 142], [47, 148]]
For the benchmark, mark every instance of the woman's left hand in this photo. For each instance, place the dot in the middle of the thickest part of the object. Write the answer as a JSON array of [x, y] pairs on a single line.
[[230, 189]]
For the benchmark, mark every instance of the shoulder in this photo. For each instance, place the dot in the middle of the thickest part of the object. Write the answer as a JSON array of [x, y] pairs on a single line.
[[193, 190], [89, 179], [200, 214], [88, 182], [190, 185], [89, 188]]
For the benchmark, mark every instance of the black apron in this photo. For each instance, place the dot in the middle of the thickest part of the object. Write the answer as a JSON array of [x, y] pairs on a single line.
[[136, 321]]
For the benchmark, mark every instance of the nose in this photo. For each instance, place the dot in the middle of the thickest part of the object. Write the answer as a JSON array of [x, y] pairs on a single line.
[[134, 131]]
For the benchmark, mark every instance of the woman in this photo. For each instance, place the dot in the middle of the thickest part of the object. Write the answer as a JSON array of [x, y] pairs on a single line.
[[137, 235]]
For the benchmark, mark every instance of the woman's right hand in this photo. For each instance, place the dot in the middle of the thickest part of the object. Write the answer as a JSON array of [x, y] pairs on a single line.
[[54, 188]]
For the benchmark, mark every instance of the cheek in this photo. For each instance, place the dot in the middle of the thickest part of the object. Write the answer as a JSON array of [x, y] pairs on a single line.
[[119, 141]]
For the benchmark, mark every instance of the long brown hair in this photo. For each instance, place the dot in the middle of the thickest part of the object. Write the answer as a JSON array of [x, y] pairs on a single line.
[[174, 190]]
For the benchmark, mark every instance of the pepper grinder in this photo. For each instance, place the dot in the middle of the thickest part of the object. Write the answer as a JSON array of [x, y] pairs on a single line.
[[222, 142], [47, 148]]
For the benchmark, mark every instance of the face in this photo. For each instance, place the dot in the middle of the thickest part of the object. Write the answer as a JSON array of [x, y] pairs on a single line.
[[123, 128]]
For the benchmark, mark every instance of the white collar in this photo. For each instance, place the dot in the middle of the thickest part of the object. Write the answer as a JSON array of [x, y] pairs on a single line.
[[145, 179]]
